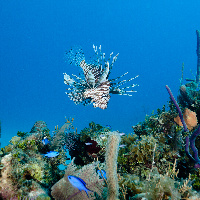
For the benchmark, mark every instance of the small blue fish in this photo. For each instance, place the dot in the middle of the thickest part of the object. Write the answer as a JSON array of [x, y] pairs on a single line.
[[102, 136], [122, 145], [88, 143], [101, 172], [51, 154], [78, 183], [45, 141], [109, 126]]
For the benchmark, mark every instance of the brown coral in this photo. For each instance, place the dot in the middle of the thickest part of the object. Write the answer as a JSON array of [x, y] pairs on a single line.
[[189, 117], [7, 190]]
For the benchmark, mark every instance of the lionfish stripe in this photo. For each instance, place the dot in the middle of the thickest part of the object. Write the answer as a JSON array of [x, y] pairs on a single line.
[[95, 87]]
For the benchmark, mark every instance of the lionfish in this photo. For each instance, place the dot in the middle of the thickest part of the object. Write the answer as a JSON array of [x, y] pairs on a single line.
[[94, 85]]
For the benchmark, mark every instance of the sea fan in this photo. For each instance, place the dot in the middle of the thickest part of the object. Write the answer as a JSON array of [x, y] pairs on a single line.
[[94, 85], [64, 190]]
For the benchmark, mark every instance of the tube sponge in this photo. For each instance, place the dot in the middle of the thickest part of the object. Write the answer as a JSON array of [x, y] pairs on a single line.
[[111, 165]]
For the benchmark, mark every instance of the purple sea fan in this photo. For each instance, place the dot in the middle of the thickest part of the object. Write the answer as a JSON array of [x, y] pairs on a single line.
[[94, 86]]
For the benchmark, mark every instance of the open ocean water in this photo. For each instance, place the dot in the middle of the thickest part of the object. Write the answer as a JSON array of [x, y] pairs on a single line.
[[153, 39]]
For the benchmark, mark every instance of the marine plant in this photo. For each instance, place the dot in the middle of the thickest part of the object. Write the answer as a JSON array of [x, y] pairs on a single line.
[[21, 134], [160, 187], [59, 138]]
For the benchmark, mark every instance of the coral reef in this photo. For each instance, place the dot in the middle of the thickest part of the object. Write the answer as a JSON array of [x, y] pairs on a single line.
[[25, 170], [135, 164], [158, 160]]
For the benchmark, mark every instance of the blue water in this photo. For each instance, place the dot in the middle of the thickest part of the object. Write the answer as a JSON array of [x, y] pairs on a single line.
[[153, 39]]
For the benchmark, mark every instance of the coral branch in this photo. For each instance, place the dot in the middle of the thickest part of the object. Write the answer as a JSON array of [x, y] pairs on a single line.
[[198, 56], [177, 107], [111, 165], [192, 139], [193, 147]]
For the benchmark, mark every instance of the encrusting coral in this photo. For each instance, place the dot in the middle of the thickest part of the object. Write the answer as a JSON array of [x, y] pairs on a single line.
[[189, 117], [7, 189]]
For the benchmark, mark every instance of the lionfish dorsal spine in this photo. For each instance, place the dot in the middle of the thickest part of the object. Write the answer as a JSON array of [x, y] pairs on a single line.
[[104, 76], [89, 76], [113, 61]]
